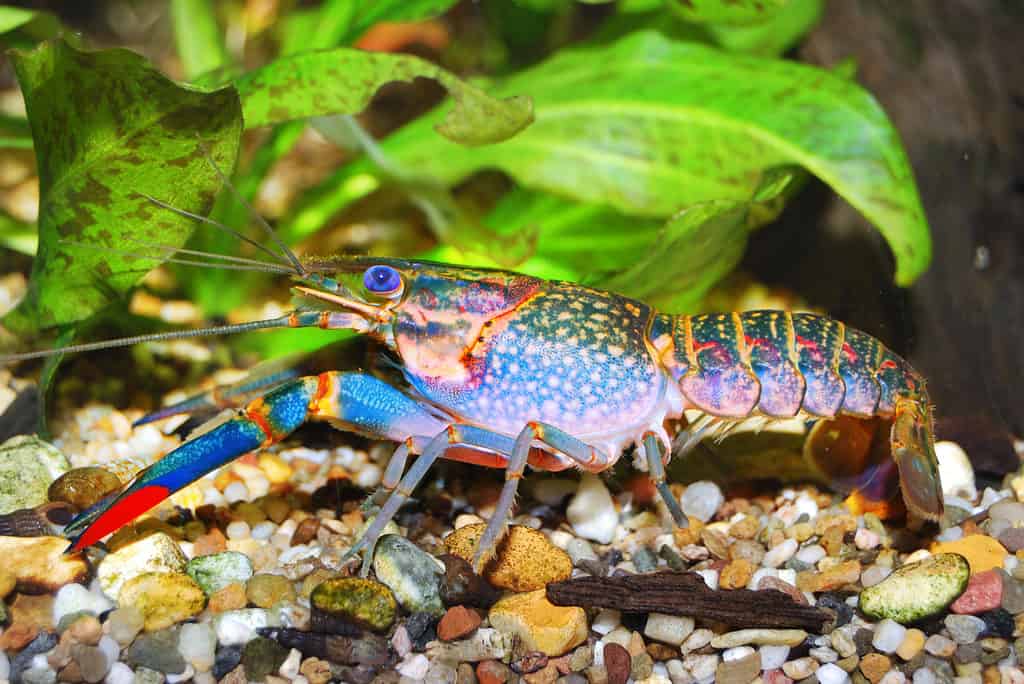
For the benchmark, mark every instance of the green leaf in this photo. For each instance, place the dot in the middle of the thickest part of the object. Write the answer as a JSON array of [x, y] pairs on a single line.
[[198, 37], [342, 81], [779, 31], [727, 11], [651, 127], [22, 27], [110, 129]]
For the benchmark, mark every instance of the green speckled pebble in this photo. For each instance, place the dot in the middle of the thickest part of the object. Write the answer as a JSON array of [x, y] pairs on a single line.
[[361, 601], [917, 590], [218, 570], [411, 573], [27, 467]]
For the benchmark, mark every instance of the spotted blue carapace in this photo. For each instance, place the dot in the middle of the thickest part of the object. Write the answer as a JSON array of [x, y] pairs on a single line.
[[505, 370]]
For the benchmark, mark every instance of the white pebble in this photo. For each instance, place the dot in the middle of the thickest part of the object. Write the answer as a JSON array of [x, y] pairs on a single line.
[[592, 512], [990, 496], [760, 573], [263, 530], [888, 636], [119, 674], [184, 676], [560, 538], [110, 648], [607, 620], [197, 644], [5, 666], [702, 667], [806, 505], [701, 500], [874, 574], [780, 553], [865, 539], [811, 554], [74, 597], [831, 674], [772, 657], [788, 575], [236, 491], [710, 577], [369, 476], [950, 534], [736, 653], [698, 639], [290, 667], [239, 529], [924, 675], [238, 627], [670, 629], [414, 666], [955, 470], [893, 677], [257, 486]]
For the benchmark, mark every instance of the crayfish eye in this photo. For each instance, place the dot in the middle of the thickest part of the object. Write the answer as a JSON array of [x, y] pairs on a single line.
[[382, 280]]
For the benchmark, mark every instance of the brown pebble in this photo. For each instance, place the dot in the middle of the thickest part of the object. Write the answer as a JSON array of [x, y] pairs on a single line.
[[306, 531], [715, 542], [739, 671], [546, 675], [660, 652], [874, 666], [642, 666], [493, 672], [231, 597], [210, 543], [17, 636], [618, 663], [236, 676], [783, 586], [736, 574], [465, 674], [457, 622], [315, 670], [86, 630], [832, 540], [834, 578], [72, 672]]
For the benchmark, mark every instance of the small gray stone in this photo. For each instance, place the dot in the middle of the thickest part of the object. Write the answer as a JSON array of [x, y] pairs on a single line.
[[411, 573], [964, 628], [968, 653], [1013, 594], [216, 571], [644, 560], [157, 651], [144, 675], [701, 500], [1012, 539], [262, 657], [92, 662]]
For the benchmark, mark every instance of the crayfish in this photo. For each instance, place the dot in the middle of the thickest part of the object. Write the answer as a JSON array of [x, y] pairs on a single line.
[[506, 370]]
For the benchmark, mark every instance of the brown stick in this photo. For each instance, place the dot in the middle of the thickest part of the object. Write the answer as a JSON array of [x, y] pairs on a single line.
[[684, 593]]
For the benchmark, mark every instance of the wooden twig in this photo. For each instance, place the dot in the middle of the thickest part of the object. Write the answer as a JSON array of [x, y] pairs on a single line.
[[684, 593]]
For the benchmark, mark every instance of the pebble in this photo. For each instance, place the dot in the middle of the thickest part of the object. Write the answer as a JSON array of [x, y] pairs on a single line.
[[964, 629], [493, 672], [984, 592], [75, 598], [265, 590], [831, 674], [153, 553], [888, 636], [27, 467], [912, 644], [591, 511], [550, 629], [617, 663], [769, 637], [262, 657], [461, 586], [214, 572], [670, 629], [157, 651], [525, 559], [197, 643], [163, 598], [736, 574], [39, 564], [1013, 595], [955, 470], [772, 657], [981, 551], [917, 590], [457, 622], [414, 666], [940, 646], [361, 601], [801, 668], [412, 574], [237, 627], [811, 554], [780, 553], [701, 500], [738, 671], [835, 577]]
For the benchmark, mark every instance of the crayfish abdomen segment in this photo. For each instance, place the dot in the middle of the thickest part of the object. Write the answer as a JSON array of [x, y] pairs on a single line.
[[782, 364]]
